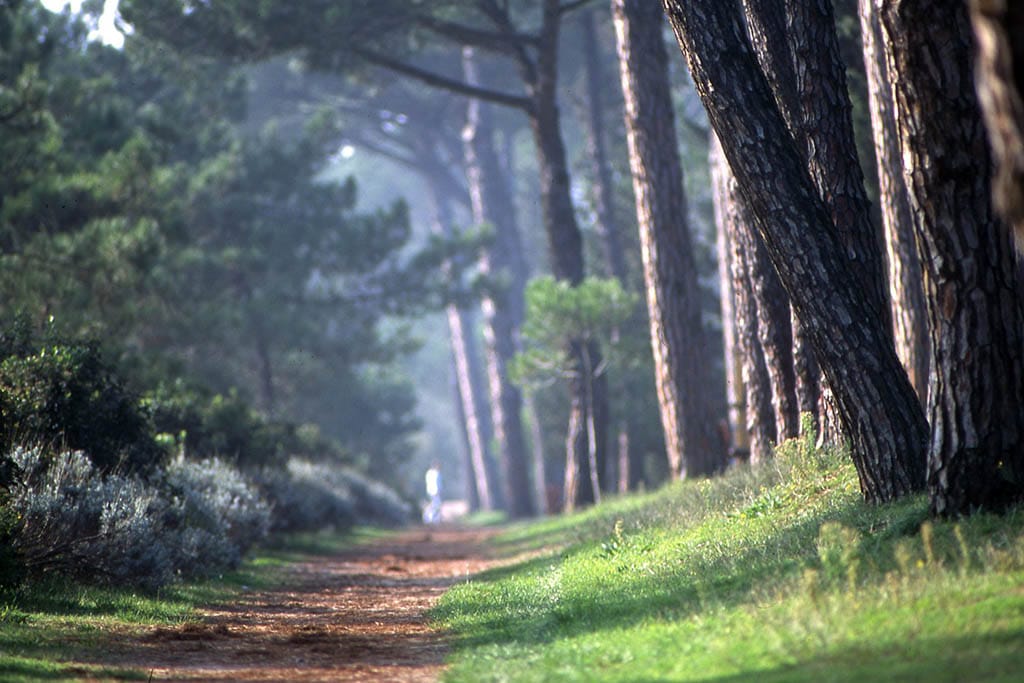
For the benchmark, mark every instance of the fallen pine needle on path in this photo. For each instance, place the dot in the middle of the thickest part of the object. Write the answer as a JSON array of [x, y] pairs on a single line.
[[356, 616]]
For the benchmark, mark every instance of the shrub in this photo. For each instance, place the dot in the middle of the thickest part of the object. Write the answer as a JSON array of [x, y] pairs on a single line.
[[220, 511], [64, 394], [308, 496], [74, 520]]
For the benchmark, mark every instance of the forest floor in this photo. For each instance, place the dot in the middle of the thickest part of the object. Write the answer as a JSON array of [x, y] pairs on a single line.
[[356, 616]]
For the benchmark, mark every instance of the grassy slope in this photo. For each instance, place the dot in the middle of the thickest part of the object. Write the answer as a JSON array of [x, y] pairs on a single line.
[[780, 575], [52, 631]]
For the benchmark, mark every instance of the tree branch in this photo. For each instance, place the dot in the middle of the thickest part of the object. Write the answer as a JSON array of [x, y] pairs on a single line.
[[444, 82], [574, 5], [507, 42]]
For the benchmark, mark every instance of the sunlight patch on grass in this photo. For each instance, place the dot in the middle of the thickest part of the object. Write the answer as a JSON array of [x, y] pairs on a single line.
[[777, 575]]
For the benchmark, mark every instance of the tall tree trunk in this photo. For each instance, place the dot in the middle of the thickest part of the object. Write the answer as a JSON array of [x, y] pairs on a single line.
[[462, 355], [976, 459], [603, 195], [670, 276], [471, 493], [877, 404], [906, 289], [502, 263], [605, 207], [759, 413], [540, 480], [565, 243], [808, 374], [796, 42], [739, 437]]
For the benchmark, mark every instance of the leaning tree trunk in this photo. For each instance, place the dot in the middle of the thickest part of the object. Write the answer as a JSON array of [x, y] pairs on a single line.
[[759, 413], [975, 317], [502, 264], [809, 83], [876, 402], [906, 292], [670, 275]]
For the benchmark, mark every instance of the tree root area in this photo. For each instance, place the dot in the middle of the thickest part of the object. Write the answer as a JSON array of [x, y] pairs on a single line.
[[358, 616]]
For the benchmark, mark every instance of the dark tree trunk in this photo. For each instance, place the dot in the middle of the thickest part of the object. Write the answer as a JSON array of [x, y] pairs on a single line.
[[565, 243], [976, 459], [692, 441], [774, 330], [759, 413], [502, 263], [851, 340], [603, 194], [797, 45], [906, 292], [808, 374]]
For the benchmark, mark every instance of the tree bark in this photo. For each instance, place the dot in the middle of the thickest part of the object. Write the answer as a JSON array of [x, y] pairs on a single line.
[[839, 311], [975, 316], [759, 413], [906, 292], [502, 264], [692, 442]]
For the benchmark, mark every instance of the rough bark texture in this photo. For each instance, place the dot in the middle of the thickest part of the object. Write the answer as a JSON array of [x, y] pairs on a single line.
[[808, 374], [502, 263], [759, 413], [877, 404], [906, 291], [773, 330], [670, 277], [798, 47], [976, 459]]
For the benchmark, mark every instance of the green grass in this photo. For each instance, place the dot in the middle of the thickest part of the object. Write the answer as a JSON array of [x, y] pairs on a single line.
[[56, 630], [779, 575]]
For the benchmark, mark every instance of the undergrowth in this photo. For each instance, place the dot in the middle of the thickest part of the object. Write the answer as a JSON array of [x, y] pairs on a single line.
[[778, 574]]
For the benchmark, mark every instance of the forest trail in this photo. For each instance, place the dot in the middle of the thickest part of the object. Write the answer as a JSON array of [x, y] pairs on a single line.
[[356, 616]]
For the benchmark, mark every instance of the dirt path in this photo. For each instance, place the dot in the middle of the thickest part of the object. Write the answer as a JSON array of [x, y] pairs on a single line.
[[358, 616]]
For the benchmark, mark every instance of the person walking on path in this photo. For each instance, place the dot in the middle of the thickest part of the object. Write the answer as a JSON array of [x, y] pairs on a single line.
[[432, 515]]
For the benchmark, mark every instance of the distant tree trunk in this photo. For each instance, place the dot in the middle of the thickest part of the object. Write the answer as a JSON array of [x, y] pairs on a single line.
[[759, 413], [877, 404], [605, 207], [565, 244], [808, 374], [999, 35], [603, 195], [472, 496], [459, 338], [906, 291], [976, 459], [774, 330], [739, 437], [503, 304], [691, 438], [540, 480]]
